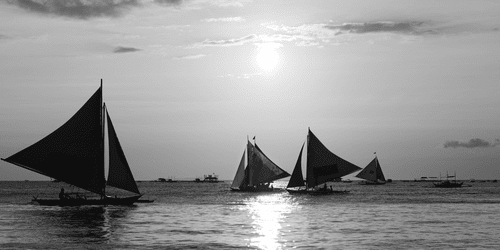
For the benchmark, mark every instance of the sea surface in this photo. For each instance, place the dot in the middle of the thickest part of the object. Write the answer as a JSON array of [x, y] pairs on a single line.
[[189, 215]]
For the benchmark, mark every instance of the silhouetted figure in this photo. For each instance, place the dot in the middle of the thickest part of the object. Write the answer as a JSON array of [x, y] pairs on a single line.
[[62, 196]]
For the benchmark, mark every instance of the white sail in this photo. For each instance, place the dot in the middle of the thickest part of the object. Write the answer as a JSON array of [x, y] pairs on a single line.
[[240, 173]]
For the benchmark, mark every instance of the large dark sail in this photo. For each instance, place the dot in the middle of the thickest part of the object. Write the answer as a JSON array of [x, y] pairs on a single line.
[[119, 175], [297, 179], [264, 169], [258, 173], [73, 153], [323, 165]]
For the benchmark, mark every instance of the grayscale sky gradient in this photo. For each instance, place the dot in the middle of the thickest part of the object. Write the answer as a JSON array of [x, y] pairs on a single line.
[[186, 82]]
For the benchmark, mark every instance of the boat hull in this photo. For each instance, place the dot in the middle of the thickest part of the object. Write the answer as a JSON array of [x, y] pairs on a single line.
[[127, 201], [372, 183], [316, 192], [256, 190], [448, 184]]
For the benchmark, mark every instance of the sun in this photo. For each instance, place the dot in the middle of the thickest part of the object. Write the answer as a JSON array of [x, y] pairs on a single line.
[[267, 57]]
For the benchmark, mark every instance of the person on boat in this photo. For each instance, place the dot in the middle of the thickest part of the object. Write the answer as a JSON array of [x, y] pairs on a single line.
[[62, 195]]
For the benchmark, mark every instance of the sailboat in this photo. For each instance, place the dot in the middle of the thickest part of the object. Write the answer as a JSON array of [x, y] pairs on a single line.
[[259, 172], [447, 183], [322, 166], [372, 173], [74, 153]]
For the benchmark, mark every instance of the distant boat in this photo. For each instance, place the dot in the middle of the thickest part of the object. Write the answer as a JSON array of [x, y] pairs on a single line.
[[259, 172], [447, 183], [74, 154], [372, 174], [211, 178], [322, 166]]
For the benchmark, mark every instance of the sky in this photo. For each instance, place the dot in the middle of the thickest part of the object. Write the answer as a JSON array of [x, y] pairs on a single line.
[[188, 81]]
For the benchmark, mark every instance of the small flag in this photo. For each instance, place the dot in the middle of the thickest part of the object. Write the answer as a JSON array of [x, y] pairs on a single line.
[[254, 137]]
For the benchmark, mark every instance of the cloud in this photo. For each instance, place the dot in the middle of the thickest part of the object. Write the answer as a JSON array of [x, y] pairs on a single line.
[[472, 143], [409, 27], [319, 34], [81, 9], [3, 37], [121, 49], [224, 19], [225, 43], [190, 57], [169, 2]]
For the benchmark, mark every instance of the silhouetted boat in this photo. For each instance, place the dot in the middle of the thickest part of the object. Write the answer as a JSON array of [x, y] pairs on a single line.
[[74, 154], [447, 183], [322, 166], [259, 172], [211, 178], [372, 173]]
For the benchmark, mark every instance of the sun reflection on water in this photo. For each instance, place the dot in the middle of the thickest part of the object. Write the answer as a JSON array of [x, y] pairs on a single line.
[[267, 213]]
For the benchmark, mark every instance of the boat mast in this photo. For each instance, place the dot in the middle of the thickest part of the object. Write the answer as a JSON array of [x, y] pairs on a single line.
[[307, 157], [103, 105]]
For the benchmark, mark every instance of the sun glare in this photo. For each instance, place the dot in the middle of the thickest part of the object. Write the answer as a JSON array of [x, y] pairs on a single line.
[[267, 57]]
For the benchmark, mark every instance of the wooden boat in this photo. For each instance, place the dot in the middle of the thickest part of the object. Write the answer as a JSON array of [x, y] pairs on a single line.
[[74, 154], [447, 183], [259, 172], [372, 173], [322, 166]]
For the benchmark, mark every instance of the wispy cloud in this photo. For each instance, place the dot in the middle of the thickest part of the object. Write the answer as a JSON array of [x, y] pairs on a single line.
[[197, 4], [169, 2], [189, 57], [225, 43], [224, 19], [81, 9], [121, 49], [472, 143], [87, 9], [318, 34], [408, 27]]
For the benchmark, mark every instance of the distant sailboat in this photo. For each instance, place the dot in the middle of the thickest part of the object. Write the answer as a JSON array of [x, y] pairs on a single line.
[[322, 166], [259, 172], [74, 154], [447, 183], [372, 173]]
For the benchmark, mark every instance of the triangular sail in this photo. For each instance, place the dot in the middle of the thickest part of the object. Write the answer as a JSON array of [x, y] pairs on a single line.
[[73, 153], [297, 179], [264, 170], [372, 172], [380, 174], [323, 165], [249, 170], [240, 174], [119, 175]]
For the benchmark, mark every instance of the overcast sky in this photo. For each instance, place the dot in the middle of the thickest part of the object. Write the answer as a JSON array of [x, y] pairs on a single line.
[[186, 82]]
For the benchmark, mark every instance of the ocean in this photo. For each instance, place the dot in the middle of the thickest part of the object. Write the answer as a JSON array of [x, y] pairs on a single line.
[[189, 215]]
